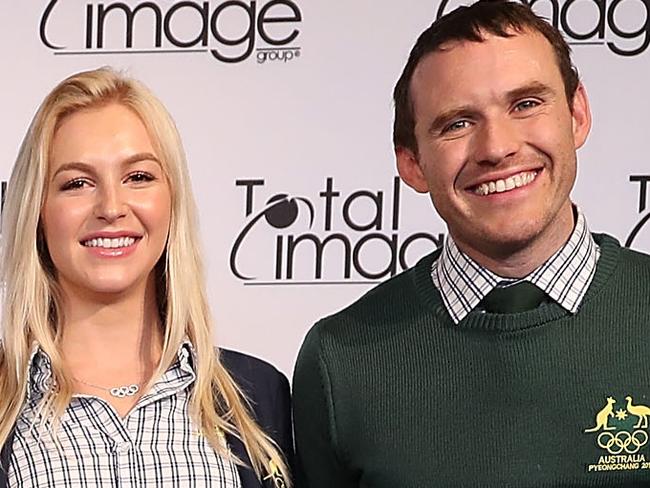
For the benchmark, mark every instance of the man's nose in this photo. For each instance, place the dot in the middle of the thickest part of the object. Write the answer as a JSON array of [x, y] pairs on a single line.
[[495, 140], [111, 204]]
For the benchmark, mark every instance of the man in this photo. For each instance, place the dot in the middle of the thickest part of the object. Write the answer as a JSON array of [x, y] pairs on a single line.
[[514, 356]]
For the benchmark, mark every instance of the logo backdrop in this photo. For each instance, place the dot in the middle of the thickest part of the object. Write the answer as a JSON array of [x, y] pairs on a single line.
[[285, 111]]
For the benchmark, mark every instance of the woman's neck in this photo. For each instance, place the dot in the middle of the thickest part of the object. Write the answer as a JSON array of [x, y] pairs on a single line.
[[111, 342], [122, 334]]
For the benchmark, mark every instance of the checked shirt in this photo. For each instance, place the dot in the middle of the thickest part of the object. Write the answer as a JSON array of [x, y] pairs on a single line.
[[155, 445]]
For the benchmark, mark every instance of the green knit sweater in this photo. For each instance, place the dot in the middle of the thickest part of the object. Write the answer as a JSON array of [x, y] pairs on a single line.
[[389, 393]]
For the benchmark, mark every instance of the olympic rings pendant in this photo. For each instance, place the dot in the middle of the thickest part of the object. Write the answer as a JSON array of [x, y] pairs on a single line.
[[124, 391]]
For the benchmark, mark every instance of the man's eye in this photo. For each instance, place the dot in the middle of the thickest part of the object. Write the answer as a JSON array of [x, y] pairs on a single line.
[[526, 105], [140, 177], [457, 125], [75, 184]]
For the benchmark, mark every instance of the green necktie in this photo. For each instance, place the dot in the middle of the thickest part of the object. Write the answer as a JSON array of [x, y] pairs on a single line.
[[521, 297]]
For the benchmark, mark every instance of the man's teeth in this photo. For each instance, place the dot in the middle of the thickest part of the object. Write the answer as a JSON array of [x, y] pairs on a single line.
[[110, 243], [499, 186]]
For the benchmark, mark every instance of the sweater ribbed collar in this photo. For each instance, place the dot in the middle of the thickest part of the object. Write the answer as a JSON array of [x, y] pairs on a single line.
[[430, 296], [564, 277]]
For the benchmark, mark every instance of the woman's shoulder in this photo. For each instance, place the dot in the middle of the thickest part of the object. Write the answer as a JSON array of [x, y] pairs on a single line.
[[260, 381], [250, 369], [245, 364], [268, 395]]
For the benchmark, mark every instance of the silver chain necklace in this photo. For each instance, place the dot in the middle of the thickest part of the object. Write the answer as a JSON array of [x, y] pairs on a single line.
[[116, 391]]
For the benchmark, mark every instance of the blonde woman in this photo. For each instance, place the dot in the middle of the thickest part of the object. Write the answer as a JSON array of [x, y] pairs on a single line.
[[108, 375]]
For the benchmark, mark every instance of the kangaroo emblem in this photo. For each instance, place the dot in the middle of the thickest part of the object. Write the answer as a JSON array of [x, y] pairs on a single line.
[[640, 411], [603, 416]]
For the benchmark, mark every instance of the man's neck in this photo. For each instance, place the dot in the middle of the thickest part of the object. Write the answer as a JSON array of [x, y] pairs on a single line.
[[519, 260]]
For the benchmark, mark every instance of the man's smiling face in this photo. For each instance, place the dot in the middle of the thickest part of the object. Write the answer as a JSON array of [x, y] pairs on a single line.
[[497, 142]]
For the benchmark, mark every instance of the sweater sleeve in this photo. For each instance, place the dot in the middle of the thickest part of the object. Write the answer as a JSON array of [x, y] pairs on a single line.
[[318, 457]]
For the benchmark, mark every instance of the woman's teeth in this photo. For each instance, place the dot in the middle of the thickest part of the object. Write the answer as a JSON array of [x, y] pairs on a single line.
[[499, 186], [110, 243]]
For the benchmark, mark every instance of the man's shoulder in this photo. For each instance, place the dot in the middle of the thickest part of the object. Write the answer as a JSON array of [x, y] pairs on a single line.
[[386, 303], [626, 256], [636, 257], [622, 272], [634, 270]]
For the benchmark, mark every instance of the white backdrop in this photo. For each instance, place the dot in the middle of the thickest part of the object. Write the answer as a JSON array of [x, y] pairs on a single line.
[[299, 104]]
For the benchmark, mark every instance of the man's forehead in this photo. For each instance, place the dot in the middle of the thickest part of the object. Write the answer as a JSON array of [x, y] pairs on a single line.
[[494, 61], [482, 35], [520, 39]]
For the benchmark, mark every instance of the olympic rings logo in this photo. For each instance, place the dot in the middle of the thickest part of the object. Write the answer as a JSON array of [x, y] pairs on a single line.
[[623, 441], [124, 391]]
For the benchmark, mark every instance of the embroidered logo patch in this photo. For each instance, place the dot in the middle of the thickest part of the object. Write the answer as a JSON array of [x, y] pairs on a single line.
[[620, 429], [275, 475]]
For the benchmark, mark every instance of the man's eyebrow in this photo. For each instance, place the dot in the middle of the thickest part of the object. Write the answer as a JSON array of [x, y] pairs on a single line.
[[453, 113], [533, 89], [89, 168]]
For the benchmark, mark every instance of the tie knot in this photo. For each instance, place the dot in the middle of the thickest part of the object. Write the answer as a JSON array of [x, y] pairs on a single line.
[[520, 297]]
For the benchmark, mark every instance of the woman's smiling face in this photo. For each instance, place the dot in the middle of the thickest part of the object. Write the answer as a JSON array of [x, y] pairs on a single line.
[[107, 207]]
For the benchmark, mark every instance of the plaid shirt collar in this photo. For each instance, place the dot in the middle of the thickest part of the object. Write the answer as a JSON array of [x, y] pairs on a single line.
[[565, 276], [39, 377]]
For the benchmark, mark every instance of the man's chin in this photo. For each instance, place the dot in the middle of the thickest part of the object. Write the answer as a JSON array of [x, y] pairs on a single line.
[[499, 244]]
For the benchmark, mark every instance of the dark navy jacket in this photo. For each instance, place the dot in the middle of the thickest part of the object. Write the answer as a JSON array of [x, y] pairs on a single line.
[[268, 392]]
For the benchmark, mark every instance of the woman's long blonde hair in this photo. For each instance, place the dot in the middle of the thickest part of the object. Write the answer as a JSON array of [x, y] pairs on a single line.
[[31, 311]]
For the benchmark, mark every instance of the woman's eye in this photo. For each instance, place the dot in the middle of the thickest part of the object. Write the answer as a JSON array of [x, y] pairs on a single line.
[[140, 177], [75, 184]]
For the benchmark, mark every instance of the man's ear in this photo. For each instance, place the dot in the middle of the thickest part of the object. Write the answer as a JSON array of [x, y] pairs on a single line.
[[409, 169], [581, 116]]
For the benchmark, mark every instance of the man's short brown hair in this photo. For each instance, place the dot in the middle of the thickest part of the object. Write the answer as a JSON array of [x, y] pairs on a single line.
[[496, 17]]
